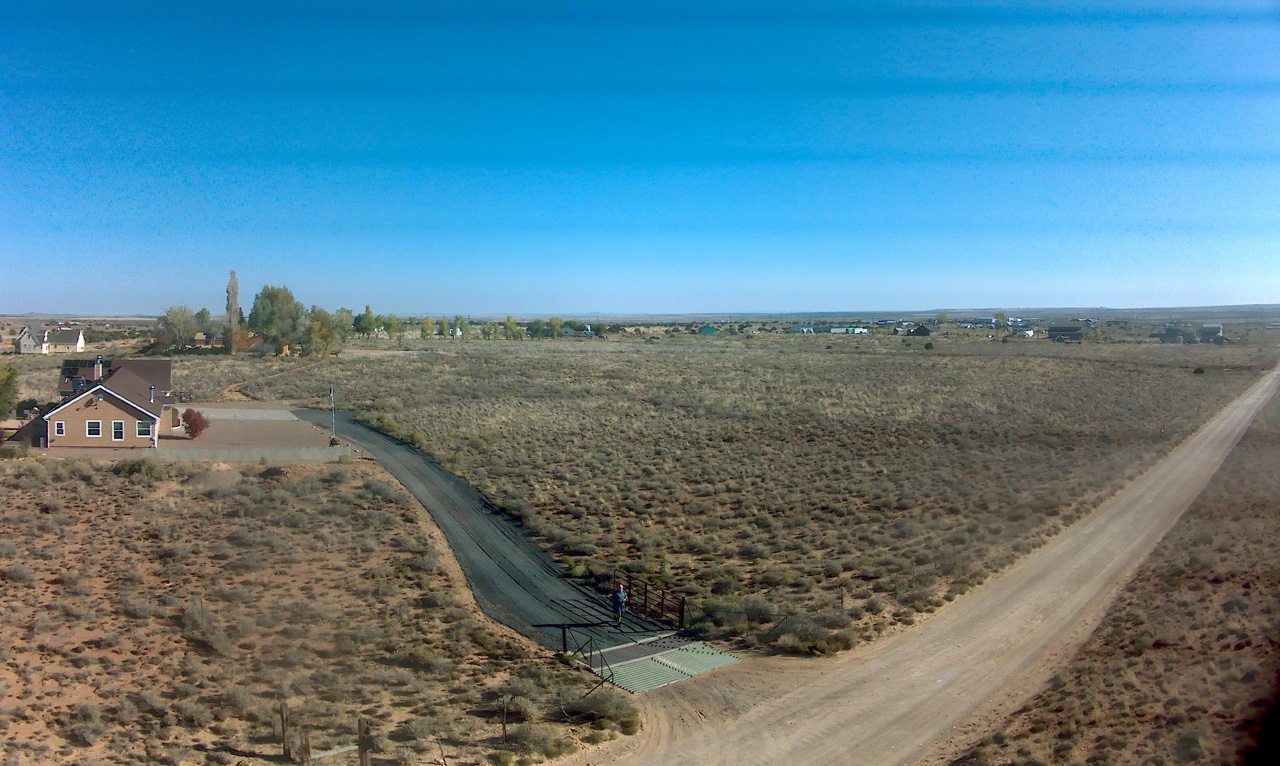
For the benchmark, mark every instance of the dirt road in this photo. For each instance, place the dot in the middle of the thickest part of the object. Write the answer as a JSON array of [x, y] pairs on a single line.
[[918, 695], [515, 582]]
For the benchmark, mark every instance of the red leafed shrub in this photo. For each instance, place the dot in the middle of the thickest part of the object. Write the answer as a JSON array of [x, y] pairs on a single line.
[[194, 422]]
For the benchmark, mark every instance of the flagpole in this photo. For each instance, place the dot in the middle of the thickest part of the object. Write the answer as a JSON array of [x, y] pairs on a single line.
[[333, 413]]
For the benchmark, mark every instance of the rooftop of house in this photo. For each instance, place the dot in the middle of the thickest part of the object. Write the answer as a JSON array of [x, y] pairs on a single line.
[[78, 374], [63, 336]]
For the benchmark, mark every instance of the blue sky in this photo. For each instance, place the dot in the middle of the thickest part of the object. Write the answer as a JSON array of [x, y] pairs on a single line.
[[487, 157]]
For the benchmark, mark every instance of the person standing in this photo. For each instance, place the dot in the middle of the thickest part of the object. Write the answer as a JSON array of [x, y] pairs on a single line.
[[619, 601]]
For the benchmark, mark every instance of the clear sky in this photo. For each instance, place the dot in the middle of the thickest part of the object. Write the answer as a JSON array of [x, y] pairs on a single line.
[[610, 156]]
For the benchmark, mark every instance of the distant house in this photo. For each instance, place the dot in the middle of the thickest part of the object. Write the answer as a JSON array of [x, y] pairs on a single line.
[[27, 341], [1066, 333], [1211, 333], [63, 342], [707, 329], [920, 332], [208, 340], [120, 404], [800, 330], [850, 330]]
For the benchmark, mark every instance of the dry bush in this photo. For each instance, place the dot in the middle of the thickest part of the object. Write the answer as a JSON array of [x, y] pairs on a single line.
[[1183, 665], [146, 616]]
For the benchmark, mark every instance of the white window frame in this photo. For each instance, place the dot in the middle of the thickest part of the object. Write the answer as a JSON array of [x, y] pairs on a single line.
[[59, 428], [89, 425], [114, 425], [141, 425]]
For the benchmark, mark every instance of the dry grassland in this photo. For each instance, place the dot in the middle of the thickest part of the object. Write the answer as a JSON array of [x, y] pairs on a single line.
[[1186, 661], [855, 482], [156, 614]]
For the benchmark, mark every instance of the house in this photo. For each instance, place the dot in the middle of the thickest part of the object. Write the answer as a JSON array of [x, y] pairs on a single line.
[[1211, 333], [27, 341], [1065, 333], [208, 340], [920, 332], [63, 342], [800, 330], [121, 404]]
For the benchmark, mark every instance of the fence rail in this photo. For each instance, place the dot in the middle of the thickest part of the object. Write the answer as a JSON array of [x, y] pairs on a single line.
[[650, 600]]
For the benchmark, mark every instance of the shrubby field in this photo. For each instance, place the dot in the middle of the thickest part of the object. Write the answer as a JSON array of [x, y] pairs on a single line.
[[157, 614], [1185, 663], [853, 482]]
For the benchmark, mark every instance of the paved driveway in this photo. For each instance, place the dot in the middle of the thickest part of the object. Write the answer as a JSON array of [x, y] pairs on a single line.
[[514, 580]]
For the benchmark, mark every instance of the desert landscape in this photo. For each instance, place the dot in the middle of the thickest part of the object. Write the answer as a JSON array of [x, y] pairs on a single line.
[[161, 614], [851, 485], [1185, 665], [204, 595]]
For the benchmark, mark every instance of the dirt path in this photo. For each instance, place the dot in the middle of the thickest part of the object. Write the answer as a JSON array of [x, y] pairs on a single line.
[[924, 693], [231, 391]]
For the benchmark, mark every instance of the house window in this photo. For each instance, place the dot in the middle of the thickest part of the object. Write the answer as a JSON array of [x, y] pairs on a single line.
[[59, 428], [93, 428], [117, 430], [144, 429]]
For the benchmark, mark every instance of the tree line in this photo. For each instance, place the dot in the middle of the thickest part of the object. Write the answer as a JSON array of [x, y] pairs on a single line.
[[283, 321]]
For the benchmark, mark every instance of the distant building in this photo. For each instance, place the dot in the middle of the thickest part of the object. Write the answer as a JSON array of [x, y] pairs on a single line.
[[850, 330], [208, 340], [1066, 333], [800, 330], [1211, 333], [27, 341], [63, 342]]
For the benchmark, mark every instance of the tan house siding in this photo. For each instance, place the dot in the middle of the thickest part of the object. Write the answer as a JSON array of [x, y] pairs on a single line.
[[75, 420]]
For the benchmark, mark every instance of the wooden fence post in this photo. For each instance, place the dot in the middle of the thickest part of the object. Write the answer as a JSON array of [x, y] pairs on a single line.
[[287, 749], [364, 741]]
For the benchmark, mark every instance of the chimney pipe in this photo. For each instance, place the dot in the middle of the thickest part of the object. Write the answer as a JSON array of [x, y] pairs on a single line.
[[97, 368], [153, 394]]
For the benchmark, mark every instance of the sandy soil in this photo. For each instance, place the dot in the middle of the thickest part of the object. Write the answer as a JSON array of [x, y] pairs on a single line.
[[926, 693]]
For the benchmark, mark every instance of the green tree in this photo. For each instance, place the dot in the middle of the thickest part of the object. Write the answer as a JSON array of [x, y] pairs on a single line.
[[1002, 319], [343, 323], [233, 310], [204, 320], [941, 318], [535, 328], [364, 323], [426, 328], [394, 326], [459, 326], [321, 337], [277, 314], [555, 323], [510, 330], [8, 390], [179, 322]]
